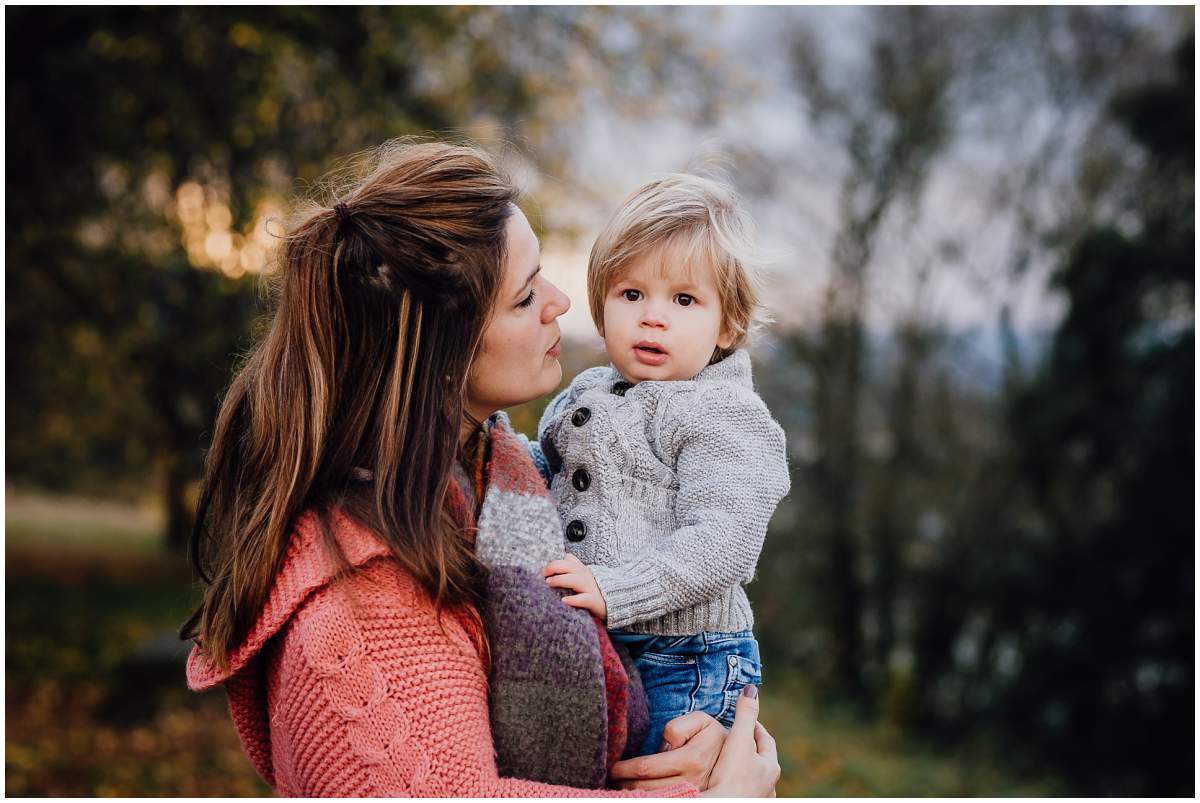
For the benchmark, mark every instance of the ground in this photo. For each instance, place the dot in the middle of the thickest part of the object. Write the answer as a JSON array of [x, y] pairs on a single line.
[[96, 704]]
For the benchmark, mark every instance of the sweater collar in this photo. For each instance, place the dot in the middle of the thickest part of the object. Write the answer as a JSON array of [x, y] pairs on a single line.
[[307, 566]]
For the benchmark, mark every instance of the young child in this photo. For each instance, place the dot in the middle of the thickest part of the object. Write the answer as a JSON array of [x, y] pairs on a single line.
[[667, 466]]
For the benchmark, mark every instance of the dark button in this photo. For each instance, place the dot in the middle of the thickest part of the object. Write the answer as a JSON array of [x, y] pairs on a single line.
[[552, 455], [581, 416], [581, 479], [576, 530], [621, 387]]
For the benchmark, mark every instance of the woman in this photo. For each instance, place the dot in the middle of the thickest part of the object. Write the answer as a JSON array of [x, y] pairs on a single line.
[[371, 536]]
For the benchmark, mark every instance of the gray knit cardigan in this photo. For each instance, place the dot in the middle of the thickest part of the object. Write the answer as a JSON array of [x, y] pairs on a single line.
[[666, 490]]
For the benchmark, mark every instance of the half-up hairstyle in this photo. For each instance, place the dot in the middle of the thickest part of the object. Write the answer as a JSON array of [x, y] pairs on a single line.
[[382, 300]]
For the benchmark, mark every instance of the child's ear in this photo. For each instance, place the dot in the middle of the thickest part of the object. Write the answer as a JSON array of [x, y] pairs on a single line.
[[725, 339]]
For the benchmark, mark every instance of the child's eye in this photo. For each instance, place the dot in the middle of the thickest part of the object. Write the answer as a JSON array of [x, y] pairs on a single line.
[[632, 295], [683, 299], [524, 303]]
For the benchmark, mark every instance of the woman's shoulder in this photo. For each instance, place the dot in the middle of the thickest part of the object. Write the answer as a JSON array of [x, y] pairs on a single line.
[[308, 569]]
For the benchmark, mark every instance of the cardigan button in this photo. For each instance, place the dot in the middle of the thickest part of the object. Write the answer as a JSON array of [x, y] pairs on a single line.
[[576, 531], [621, 387], [581, 479], [552, 455], [581, 416]]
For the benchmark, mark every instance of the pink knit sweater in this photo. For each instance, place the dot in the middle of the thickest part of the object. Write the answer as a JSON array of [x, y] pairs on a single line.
[[354, 687]]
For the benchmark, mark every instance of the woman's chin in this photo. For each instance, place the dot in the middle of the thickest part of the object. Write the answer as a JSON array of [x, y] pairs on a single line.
[[545, 382]]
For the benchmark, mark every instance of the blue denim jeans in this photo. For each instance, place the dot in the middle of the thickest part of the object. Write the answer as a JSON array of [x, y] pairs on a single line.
[[681, 674]]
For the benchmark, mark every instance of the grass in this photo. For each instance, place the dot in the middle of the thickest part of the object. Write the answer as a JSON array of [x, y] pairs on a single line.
[[827, 751], [88, 588], [83, 596]]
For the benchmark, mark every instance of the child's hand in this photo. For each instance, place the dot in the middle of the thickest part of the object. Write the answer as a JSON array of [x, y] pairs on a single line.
[[570, 572]]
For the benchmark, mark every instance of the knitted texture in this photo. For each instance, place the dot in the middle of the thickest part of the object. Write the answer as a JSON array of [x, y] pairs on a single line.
[[552, 664], [668, 488], [357, 687]]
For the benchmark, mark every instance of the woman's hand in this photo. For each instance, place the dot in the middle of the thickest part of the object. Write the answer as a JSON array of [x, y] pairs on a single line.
[[692, 743], [749, 764]]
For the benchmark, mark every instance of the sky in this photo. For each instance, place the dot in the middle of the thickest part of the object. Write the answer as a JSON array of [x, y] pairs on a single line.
[[796, 207]]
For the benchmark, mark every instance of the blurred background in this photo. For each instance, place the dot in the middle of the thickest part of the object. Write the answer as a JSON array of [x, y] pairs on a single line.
[[982, 582]]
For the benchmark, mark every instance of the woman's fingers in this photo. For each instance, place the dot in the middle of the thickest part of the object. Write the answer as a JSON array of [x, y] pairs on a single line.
[[681, 729], [765, 742], [745, 717], [695, 740], [651, 783], [748, 765], [648, 768], [644, 768]]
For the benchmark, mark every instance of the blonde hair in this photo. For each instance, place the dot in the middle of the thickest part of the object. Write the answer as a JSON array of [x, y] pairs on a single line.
[[705, 220]]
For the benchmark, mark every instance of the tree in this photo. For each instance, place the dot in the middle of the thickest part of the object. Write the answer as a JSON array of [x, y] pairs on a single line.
[[1102, 608], [149, 148], [891, 132]]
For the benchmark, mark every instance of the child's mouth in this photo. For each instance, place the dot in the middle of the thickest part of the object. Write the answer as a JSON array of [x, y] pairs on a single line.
[[650, 353]]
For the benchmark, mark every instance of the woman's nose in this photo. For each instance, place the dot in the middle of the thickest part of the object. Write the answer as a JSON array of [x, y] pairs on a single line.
[[557, 304]]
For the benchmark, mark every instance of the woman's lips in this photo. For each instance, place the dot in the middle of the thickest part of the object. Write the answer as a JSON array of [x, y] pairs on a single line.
[[648, 355], [555, 350]]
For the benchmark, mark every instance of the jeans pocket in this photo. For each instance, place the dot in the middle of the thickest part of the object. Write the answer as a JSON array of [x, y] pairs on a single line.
[[743, 668], [670, 683]]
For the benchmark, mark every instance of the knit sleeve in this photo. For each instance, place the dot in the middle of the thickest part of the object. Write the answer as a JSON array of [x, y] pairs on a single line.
[[731, 466], [372, 693]]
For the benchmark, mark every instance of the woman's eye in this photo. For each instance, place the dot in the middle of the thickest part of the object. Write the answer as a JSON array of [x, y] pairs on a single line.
[[684, 300], [528, 299], [631, 295]]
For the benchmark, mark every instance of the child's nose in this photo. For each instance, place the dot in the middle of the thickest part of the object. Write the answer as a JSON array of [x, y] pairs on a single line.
[[653, 318]]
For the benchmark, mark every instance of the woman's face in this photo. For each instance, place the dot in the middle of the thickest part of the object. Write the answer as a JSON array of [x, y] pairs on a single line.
[[518, 360]]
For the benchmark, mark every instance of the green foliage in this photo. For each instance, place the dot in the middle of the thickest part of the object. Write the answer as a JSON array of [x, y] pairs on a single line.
[[150, 147]]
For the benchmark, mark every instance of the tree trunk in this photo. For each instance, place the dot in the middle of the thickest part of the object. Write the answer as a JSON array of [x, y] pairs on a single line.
[[179, 513], [838, 389]]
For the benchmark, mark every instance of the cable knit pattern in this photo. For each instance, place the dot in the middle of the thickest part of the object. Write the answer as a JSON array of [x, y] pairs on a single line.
[[669, 487], [356, 686]]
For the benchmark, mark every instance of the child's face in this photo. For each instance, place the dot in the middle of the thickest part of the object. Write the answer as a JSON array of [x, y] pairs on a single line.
[[660, 323]]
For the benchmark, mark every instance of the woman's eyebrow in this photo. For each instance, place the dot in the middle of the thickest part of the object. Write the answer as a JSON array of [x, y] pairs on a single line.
[[525, 284]]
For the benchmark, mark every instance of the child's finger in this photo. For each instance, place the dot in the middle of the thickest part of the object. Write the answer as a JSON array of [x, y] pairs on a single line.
[[557, 567], [579, 601], [564, 581]]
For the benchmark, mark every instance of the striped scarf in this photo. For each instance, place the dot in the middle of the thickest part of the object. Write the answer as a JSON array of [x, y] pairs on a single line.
[[564, 701]]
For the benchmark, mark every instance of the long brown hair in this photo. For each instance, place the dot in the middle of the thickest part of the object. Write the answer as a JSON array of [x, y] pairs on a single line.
[[382, 302]]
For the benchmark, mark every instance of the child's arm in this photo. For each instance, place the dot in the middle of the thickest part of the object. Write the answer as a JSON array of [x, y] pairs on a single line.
[[732, 472]]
